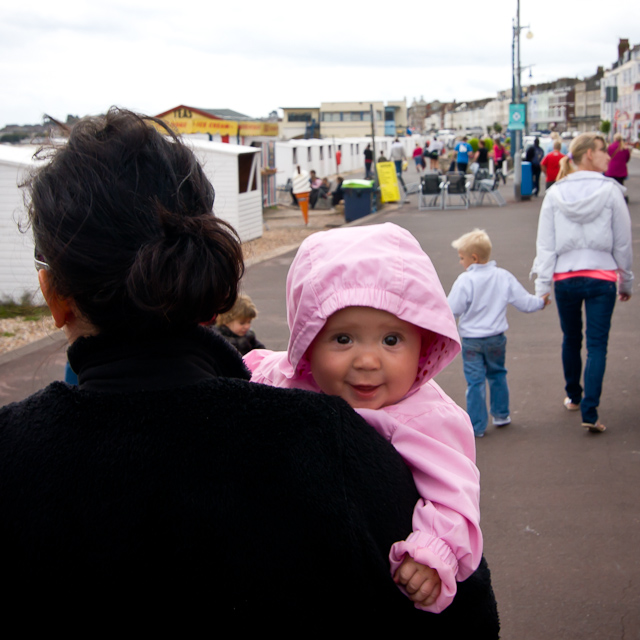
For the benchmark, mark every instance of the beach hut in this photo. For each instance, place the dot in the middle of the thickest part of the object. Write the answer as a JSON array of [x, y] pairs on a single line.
[[18, 276], [234, 172]]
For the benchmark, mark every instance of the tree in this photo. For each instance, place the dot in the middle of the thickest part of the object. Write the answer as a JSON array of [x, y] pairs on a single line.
[[497, 127], [605, 126]]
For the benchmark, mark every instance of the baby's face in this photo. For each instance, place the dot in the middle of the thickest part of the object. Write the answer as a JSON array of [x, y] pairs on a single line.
[[366, 356]]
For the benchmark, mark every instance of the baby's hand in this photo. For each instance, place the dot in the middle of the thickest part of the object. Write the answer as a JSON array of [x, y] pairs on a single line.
[[422, 583], [547, 300]]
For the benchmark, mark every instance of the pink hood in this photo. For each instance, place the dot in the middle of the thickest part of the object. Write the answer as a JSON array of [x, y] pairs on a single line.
[[380, 266]]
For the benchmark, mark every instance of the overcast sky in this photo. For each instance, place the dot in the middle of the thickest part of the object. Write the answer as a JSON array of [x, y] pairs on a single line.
[[79, 57]]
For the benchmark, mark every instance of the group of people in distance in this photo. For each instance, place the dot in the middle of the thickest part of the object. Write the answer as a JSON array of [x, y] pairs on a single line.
[[549, 164], [335, 481], [316, 188]]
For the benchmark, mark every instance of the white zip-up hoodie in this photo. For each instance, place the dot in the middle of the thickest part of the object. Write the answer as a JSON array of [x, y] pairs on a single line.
[[584, 224]]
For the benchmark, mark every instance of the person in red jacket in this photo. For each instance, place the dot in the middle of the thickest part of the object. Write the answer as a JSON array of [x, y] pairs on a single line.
[[551, 164]]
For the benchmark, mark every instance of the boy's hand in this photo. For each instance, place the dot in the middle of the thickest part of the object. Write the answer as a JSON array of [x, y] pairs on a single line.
[[547, 300], [422, 583]]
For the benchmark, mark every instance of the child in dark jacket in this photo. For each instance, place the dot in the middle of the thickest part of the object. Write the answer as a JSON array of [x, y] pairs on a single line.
[[235, 325]]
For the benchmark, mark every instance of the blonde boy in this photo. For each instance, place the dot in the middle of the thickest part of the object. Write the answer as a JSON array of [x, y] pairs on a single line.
[[479, 299]]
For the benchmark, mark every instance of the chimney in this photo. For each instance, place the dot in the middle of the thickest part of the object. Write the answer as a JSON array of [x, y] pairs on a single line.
[[623, 47]]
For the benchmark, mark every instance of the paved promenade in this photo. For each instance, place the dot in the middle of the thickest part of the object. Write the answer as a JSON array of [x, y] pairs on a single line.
[[560, 506]]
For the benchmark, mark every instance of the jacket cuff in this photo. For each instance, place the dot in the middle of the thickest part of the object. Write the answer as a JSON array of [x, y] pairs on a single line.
[[434, 553]]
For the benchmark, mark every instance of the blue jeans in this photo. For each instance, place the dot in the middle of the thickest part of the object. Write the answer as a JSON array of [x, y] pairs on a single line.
[[599, 297], [483, 360]]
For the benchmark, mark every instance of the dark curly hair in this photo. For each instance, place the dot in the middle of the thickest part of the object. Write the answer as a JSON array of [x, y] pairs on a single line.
[[123, 215]]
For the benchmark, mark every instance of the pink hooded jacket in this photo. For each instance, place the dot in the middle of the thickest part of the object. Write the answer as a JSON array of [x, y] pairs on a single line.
[[384, 267]]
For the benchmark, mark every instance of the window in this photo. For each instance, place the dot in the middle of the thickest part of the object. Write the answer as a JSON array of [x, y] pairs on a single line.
[[308, 154], [331, 116], [245, 173], [295, 156], [299, 117], [330, 156], [321, 153]]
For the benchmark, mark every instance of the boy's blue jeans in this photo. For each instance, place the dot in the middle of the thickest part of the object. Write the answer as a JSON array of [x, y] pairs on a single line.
[[483, 360], [599, 297]]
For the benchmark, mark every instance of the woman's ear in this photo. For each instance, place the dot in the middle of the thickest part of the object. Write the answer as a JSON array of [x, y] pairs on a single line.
[[60, 308]]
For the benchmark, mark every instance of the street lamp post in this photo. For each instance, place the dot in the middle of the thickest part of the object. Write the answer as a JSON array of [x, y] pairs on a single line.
[[516, 98]]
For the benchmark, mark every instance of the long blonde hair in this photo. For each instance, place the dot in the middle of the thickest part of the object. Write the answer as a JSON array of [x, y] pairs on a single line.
[[579, 146]]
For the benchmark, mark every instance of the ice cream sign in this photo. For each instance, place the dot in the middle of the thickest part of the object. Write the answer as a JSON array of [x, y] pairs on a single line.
[[185, 120]]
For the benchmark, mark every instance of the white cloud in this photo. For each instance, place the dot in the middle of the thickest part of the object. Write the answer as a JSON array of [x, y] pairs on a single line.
[[78, 57]]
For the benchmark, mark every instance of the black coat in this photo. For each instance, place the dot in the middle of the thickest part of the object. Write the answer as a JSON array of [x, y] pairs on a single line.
[[243, 344], [159, 486]]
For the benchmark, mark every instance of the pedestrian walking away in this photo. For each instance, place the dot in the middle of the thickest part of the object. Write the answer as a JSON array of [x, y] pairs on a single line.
[[535, 154], [368, 160], [479, 298], [551, 164], [463, 149], [583, 249]]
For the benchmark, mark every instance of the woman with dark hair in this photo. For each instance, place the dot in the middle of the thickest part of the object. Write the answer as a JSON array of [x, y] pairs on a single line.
[[165, 484]]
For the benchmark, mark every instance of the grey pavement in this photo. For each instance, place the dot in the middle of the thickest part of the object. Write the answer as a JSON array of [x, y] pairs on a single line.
[[560, 506]]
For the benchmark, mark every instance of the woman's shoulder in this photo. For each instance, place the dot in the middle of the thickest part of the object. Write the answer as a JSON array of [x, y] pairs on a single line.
[[45, 403]]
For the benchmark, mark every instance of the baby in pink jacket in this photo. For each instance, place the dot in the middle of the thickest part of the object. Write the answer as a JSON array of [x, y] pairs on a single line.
[[370, 323]]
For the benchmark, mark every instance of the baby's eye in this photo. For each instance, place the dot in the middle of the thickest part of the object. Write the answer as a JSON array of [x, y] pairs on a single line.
[[391, 340], [343, 338]]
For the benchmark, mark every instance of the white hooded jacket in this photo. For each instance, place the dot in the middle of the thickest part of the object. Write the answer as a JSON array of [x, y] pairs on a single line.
[[584, 224]]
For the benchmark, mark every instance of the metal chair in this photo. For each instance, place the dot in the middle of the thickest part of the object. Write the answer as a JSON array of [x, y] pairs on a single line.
[[431, 190], [489, 188], [456, 185]]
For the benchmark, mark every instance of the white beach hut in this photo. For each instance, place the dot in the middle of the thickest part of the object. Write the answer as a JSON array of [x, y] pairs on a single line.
[[234, 172], [17, 272]]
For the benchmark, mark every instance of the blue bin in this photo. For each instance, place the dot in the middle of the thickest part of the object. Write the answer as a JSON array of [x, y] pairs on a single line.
[[359, 201], [526, 185]]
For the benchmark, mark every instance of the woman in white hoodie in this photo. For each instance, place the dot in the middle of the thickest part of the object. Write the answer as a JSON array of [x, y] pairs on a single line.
[[584, 248]]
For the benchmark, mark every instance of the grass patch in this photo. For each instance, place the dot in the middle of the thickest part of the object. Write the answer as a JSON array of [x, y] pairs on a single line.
[[7, 334], [30, 312]]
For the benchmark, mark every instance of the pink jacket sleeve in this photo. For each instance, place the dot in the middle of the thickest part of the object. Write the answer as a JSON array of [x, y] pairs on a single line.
[[439, 448]]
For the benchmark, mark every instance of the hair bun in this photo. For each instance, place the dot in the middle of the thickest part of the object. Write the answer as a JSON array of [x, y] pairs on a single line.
[[189, 273]]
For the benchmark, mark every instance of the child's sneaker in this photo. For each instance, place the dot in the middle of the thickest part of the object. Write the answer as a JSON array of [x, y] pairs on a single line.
[[501, 422]]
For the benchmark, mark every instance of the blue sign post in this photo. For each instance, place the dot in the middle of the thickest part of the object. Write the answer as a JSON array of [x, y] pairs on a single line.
[[517, 116]]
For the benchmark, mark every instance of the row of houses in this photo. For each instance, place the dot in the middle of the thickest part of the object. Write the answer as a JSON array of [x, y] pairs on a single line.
[[566, 104]]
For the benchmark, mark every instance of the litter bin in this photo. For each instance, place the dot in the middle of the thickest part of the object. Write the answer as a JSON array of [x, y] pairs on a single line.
[[359, 199], [526, 183]]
